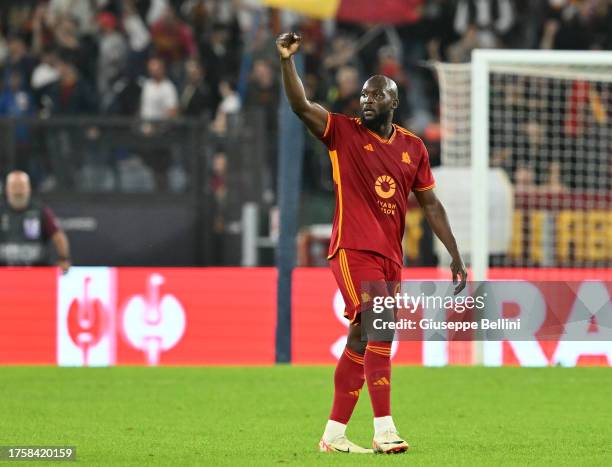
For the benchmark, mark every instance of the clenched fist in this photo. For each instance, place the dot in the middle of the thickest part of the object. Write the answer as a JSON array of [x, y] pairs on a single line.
[[288, 44]]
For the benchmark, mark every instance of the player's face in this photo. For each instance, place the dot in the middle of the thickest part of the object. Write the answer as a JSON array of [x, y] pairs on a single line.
[[376, 104]]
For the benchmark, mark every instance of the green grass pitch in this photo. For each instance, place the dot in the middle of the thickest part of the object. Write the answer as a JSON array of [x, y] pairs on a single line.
[[274, 415]]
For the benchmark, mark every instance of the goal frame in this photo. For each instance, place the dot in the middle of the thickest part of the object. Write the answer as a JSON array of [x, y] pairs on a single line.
[[482, 61]]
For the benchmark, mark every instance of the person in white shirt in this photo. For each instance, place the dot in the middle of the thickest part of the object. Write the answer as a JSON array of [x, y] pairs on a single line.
[[158, 106], [159, 98], [46, 71], [230, 104]]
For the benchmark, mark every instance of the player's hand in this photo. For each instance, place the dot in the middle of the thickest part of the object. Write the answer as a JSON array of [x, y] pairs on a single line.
[[64, 264], [288, 44], [459, 274]]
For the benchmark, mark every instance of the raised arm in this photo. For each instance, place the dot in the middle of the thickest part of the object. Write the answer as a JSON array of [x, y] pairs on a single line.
[[312, 114], [437, 219]]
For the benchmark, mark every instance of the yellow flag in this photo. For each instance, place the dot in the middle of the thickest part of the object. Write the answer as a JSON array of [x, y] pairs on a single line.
[[322, 9]]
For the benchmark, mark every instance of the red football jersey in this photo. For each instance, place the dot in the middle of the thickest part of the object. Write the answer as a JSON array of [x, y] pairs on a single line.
[[372, 179]]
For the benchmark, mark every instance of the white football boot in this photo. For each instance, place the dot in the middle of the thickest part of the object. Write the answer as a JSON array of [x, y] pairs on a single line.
[[342, 444], [389, 442]]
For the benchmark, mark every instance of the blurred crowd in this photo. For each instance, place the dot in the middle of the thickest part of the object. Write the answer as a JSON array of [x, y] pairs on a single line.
[[163, 59]]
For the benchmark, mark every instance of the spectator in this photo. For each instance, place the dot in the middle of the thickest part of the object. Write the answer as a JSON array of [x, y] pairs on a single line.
[[78, 50], [172, 41], [16, 102], [230, 105], [70, 95], [219, 54], [112, 55], [158, 104], [27, 228], [46, 71], [438, 28], [82, 12], [138, 39], [481, 24], [524, 179], [263, 94], [342, 53], [262, 90], [491, 18], [196, 99], [570, 26], [554, 181], [18, 60], [159, 99], [345, 97]]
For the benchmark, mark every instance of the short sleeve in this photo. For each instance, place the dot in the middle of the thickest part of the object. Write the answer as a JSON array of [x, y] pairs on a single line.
[[50, 224], [329, 135], [424, 179]]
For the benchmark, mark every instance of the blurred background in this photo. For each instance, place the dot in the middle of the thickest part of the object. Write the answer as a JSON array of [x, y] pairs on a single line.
[[180, 174]]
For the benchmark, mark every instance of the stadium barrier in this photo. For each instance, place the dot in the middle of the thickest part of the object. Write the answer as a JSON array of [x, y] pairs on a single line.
[[223, 316], [112, 180]]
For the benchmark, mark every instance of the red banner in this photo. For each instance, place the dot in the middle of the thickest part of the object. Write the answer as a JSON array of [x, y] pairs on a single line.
[[218, 316], [27, 316], [319, 330], [228, 316], [138, 316]]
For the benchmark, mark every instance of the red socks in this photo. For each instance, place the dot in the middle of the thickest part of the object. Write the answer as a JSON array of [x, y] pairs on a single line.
[[348, 381], [377, 363], [349, 378]]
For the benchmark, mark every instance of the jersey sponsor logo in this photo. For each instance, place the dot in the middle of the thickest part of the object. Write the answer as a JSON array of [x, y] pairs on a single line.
[[385, 186], [406, 158], [368, 147], [31, 228]]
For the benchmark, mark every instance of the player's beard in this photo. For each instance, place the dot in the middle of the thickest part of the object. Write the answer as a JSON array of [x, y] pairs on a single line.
[[376, 122]]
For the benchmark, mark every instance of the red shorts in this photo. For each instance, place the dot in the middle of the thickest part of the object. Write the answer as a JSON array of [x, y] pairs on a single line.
[[353, 268]]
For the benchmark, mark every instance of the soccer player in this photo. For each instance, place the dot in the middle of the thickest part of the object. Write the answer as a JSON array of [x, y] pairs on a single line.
[[375, 166]]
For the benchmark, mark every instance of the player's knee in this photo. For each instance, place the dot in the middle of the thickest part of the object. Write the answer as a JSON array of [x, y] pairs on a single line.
[[378, 326], [355, 343], [356, 346]]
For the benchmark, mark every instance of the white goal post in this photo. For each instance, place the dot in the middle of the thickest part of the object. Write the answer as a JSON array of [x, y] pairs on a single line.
[[549, 86]]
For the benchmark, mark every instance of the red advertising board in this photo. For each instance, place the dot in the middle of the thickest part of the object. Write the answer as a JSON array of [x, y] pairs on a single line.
[[138, 316], [27, 316], [230, 315], [319, 330], [218, 316]]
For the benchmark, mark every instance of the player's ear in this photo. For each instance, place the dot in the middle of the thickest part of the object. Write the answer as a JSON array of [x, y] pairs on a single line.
[[394, 103]]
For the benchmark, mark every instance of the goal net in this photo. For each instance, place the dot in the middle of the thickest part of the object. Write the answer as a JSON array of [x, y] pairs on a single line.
[[527, 137]]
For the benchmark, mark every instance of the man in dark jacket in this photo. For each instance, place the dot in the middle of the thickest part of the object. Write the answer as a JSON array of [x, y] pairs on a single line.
[[26, 227]]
